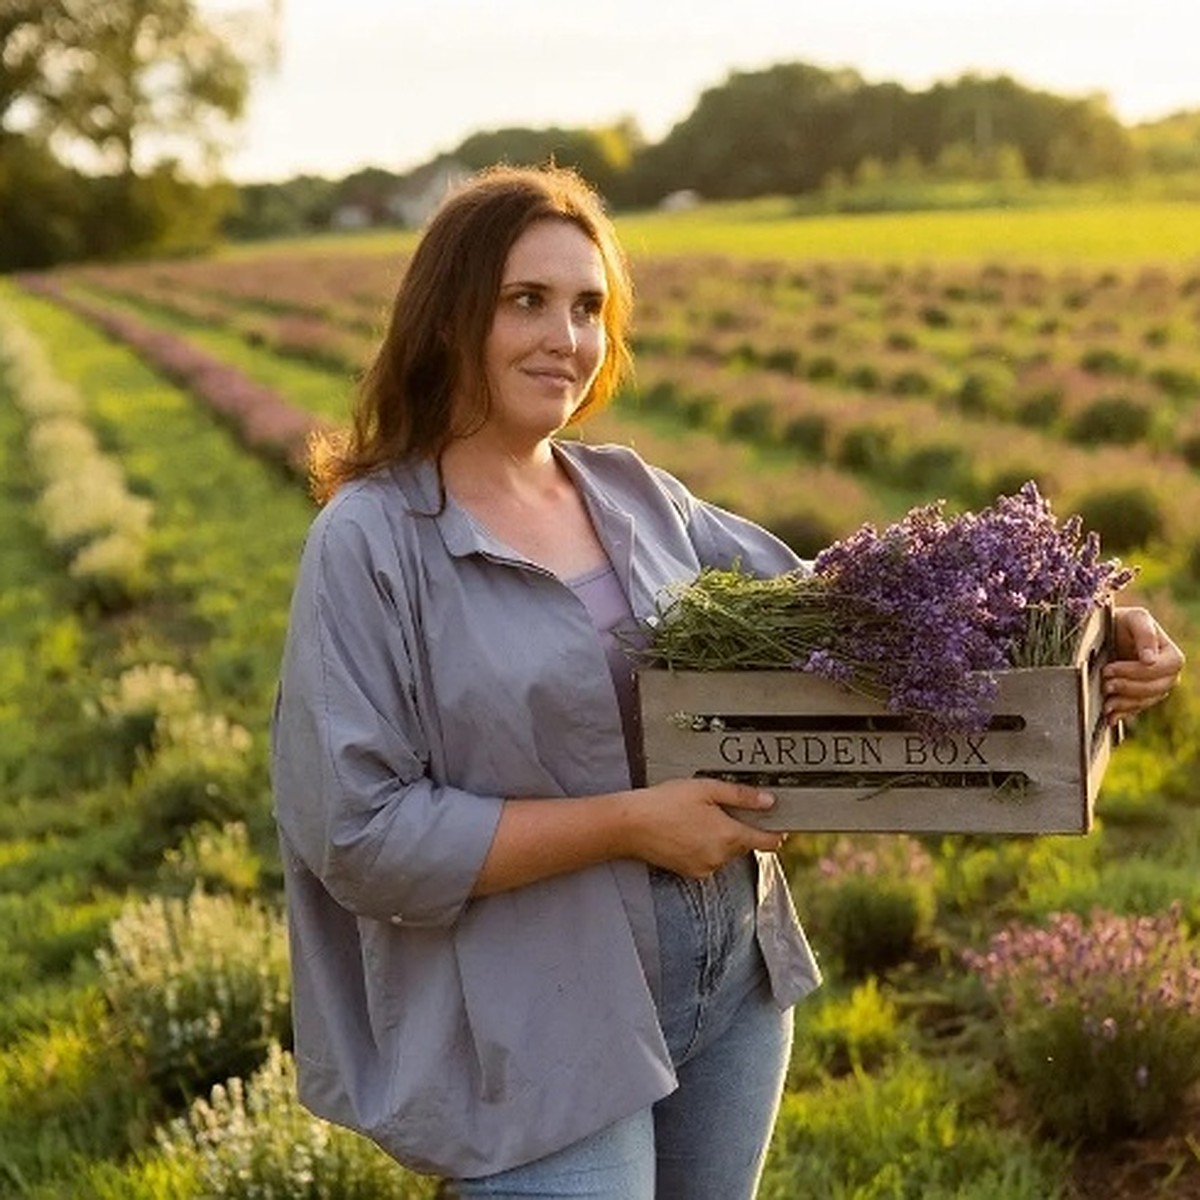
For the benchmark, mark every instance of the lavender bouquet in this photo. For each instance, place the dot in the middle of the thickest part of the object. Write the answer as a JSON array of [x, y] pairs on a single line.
[[920, 615]]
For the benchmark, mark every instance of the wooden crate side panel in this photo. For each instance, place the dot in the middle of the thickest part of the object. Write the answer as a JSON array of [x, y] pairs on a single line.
[[923, 810], [883, 777]]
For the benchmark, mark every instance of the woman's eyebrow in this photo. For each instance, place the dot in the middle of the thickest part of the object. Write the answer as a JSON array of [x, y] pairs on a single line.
[[535, 285]]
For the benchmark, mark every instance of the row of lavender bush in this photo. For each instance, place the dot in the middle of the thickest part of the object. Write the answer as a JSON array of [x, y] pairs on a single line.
[[264, 421], [84, 508]]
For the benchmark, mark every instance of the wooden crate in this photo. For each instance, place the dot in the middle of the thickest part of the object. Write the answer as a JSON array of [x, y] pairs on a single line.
[[836, 760]]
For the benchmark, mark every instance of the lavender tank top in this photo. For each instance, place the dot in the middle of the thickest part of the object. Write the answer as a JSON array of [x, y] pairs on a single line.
[[605, 600]]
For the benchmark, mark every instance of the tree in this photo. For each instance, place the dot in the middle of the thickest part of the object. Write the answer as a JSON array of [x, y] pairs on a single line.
[[1055, 136], [132, 79], [602, 156], [138, 84], [21, 48], [780, 130]]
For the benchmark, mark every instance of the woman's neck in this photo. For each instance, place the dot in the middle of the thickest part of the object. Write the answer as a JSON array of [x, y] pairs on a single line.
[[526, 501], [480, 466]]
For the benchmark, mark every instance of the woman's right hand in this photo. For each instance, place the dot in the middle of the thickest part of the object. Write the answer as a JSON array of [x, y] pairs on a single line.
[[682, 826]]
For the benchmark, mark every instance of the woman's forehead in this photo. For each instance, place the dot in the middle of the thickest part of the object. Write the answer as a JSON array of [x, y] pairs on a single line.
[[555, 249]]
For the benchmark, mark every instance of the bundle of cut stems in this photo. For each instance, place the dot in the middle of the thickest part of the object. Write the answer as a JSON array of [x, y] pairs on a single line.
[[727, 621]]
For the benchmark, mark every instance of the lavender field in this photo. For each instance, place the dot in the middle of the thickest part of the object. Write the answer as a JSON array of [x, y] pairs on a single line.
[[1015, 1017]]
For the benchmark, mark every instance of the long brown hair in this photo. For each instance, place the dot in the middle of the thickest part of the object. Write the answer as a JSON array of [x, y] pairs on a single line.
[[432, 352]]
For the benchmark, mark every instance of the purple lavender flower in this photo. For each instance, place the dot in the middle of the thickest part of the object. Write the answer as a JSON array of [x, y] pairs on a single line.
[[933, 606]]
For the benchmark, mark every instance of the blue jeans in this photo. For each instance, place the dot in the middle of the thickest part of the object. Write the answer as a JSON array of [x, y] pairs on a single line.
[[729, 1043]]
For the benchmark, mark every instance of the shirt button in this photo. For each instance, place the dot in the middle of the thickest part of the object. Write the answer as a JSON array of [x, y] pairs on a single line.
[[397, 919]]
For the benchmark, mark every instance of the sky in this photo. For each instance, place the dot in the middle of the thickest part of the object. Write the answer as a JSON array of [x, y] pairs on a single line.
[[392, 83]]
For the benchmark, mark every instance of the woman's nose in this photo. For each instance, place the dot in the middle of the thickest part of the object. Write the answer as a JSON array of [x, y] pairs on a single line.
[[561, 335]]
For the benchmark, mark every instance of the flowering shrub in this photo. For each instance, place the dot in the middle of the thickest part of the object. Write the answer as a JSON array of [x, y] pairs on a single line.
[[214, 859], [1102, 1018], [149, 689], [253, 1141], [198, 986], [922, 614], [200, 771], [872, 901], [85, 509]]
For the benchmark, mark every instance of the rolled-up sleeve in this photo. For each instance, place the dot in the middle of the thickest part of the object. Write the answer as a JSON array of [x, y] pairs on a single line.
[[354, 799]]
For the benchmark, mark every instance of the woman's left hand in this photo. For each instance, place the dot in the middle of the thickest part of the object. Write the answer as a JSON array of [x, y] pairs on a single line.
[[1146, 666]]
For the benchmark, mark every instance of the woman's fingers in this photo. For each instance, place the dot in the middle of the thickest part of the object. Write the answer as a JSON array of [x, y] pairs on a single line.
[[1146, 669]]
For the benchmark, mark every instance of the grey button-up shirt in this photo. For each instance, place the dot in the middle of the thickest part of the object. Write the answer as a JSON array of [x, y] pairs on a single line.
[[428, 673]]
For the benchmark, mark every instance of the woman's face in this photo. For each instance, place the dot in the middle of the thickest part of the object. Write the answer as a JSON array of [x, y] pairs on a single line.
[[547, 339]]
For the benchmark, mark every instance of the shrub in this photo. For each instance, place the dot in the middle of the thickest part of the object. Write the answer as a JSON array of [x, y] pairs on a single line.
[[856, 1034], [1120, 420], [865, 376], [126, 712], [1103, 360], [911, 382], [866, 448], [940, 467], [807, 533], [752, 421], [910, 1134], [659, 397], [198, 987], [700, 411], [874, 899], [1126, 518], [214, 859], [1040, 408], [66, 1093], [253, 1140], [1102, 1019], [807, 433], [782, 358], [85, 509], [821, 366], [1177, 382], [986, 390], [200, 771]]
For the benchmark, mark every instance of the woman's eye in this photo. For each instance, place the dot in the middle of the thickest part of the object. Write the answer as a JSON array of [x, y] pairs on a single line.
[[527, 300], [590, 309]]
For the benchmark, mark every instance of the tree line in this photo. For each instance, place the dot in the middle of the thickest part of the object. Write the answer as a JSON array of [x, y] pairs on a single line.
[[793, 129], [133, 82]]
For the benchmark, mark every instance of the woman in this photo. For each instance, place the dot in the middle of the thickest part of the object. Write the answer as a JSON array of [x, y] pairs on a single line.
[[511, 966]]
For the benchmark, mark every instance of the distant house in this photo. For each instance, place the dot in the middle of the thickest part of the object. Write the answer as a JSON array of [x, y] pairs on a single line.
[[680, 201], [350, 216], [418, 195]]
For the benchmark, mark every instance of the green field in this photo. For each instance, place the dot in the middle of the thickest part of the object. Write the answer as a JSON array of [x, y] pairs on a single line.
[[1122, 232], [1125, 232], [813, 372]]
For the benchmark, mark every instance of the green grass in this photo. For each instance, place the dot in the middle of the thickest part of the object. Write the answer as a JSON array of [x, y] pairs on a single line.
[[1124, 232], [1090, 232]]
